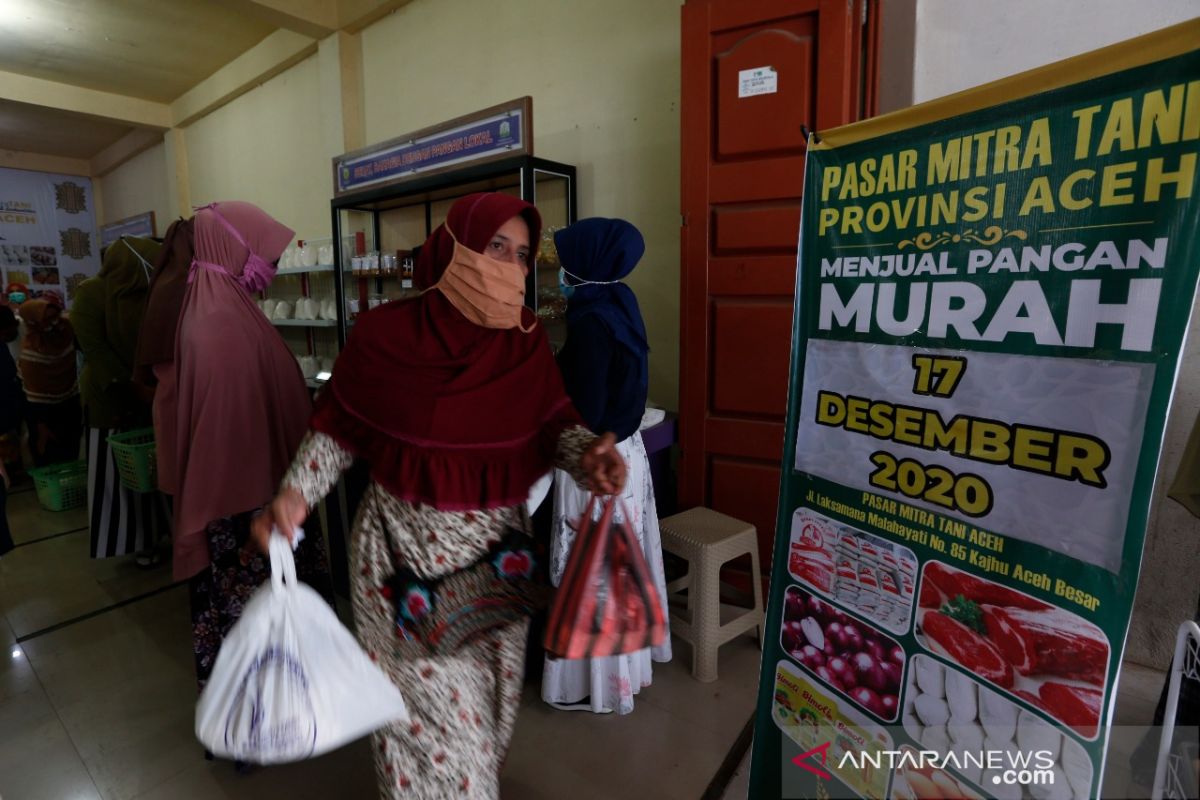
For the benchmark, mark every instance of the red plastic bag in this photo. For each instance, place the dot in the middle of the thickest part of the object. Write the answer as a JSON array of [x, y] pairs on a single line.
[[606, 604]]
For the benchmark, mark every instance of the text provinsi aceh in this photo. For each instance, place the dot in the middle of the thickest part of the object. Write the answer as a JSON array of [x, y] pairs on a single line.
[[1155, 117]]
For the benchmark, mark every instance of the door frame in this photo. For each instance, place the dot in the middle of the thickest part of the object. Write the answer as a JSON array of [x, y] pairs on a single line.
[[845, 91]]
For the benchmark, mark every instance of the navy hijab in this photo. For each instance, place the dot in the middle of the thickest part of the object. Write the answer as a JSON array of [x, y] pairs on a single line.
[[605, 251]]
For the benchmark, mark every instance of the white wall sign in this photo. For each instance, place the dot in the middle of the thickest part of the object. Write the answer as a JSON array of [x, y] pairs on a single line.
[[760, 80]]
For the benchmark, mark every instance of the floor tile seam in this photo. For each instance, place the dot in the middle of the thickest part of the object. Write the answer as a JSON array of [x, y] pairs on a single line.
[[63, 724], [58, 626], [50, 536]]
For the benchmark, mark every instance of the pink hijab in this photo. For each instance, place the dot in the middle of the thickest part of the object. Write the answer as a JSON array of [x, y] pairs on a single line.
[[234, 405]]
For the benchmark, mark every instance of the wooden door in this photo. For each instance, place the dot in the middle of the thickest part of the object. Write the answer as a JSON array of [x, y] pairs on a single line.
[[742, 171]]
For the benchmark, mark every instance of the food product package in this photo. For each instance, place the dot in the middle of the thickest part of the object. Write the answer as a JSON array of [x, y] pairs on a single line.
[[967, 738], [1057, 789], [811, 565], [947, 785], [929, 676], [911, 724], [1077, 766], [961, 697], [931, 709], [1034, 734], [997, 789], [935, 738], [998, 716], [966, 735]]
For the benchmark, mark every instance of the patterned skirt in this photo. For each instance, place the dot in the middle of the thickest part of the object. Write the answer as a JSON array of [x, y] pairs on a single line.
[[219, 592]]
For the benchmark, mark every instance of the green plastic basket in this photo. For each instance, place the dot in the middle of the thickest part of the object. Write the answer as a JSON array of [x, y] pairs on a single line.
[[135, 456], [61, 487]]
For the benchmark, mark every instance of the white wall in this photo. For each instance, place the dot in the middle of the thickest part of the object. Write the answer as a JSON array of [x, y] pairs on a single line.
[[267, 147], [604, 77], [137, 186], [931, 49], [957, 49]]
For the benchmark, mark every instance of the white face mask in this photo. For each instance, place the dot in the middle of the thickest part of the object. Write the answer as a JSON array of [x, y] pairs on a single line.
[[147, 267], [583, 282]]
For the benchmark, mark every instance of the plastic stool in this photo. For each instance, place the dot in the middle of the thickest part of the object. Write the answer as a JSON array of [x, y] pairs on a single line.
[[707, 539]]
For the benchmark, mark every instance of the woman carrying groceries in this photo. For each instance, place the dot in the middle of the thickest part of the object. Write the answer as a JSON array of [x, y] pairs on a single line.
[[51, 382], [454, 400], [107, 315], [605, 372], [230, 409]]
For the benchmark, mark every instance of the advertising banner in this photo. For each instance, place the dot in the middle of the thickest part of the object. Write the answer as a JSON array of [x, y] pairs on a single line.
[[992, 295], [48, 236]]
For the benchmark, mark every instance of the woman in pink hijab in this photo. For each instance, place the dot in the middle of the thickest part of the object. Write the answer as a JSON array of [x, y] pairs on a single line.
[[229, 413]]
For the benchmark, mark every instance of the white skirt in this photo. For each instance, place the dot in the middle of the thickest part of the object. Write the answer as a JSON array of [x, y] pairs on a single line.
[[609, 682]]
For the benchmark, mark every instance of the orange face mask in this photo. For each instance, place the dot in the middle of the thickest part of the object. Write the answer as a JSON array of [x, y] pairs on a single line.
[[488, 292]]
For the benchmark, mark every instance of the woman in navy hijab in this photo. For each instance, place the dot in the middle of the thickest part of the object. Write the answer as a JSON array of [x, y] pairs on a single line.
[[604, 367]]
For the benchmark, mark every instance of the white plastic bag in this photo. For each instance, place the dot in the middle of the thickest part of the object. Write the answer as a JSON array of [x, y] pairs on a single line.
[[290, 681], [538, 492]]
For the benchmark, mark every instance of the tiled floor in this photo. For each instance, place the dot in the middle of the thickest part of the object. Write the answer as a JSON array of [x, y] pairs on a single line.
[[97, 699], [100, 705]]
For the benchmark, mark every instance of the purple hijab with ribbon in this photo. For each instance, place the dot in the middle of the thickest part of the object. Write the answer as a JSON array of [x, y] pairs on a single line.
[[235, 406]]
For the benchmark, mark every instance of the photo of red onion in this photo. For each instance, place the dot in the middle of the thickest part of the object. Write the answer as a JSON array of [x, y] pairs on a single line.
[[848, 655]]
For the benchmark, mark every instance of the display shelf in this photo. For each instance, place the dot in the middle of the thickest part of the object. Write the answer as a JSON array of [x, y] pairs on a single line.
[[397, 216], [304, 270], [305, 323]]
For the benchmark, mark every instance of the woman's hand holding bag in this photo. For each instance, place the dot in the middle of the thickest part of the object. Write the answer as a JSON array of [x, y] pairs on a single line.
[[603, 465], [606, 603], [290, 681]]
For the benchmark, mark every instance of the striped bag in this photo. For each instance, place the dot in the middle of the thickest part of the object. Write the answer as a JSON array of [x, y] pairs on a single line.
[[606, 604]]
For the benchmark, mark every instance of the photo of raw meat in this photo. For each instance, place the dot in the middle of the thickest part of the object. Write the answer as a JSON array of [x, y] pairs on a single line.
[[1047, 656], [874, 577], [927, 783], [14, 255], [45, 276], [948, 711], [853, 658], [43, 257]]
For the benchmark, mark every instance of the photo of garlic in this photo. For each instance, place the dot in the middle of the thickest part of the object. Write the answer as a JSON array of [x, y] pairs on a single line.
[[948, 711]]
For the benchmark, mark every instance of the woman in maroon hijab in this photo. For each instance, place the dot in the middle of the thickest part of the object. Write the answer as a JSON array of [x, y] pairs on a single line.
[[454, 400]]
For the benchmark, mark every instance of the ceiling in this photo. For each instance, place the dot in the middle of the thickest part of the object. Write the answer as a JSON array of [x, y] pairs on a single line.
[[148, 49], [48, 131], [152, 49]]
